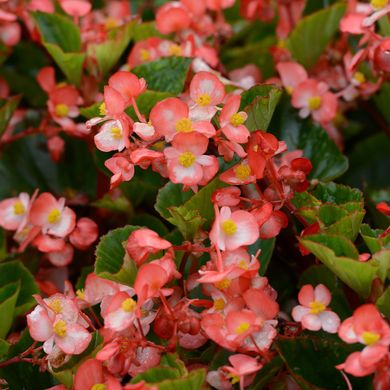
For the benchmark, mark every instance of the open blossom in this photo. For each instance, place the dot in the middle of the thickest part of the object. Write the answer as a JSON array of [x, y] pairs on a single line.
[[366, 326], [186, 161], [232, 230], [313, 312], [14, 212], [56, 321]]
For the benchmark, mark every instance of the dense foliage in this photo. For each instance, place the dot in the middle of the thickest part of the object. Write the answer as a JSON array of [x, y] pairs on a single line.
[[194, 194]]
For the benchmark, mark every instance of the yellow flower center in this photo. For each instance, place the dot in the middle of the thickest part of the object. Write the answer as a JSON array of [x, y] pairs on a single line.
[[370, 338], [233, 378], [242, 171], [237, 119], [128, 305], [110, 23], [145, 55], [175, 50], [289, 90], [378, 3], [242, 328], [19, 209], [359, 77], [223, 284], [186, 159], [60, 328], [229, 227], [281, 44], [243, 264], [56, 306], [316, 307], [54, 216], [80, 293], [98, 386], [184, 125], [315, 102], [116, 132], [102, 109], [62, 110], [219, 304], [203, 99]]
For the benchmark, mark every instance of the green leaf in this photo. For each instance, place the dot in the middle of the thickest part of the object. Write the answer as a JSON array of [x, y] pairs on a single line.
[[61, 38], [314, 358], [383, 302], [7, 108], [382, 97], [259, 102], [145, 30], [16, 272], [108, 53], [267, 248], [267, 374], [58, 30], [337, 253], [3, 245], [111, 261], [313, 33], [8, 297], [373, 239], [165, 75], [327, 160], [91, 111], [4, 347]]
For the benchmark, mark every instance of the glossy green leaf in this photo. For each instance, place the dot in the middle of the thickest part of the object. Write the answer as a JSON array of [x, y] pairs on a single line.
[[267, 249], [111, 261], [267, 374], [8, 297], [313, 33], [108, 53], [166, 74], [259, 102], [337, 254], [14, 272], [91, 111], [382, 98], [383, 302], [7, 108], [373, 238], [4, 347]]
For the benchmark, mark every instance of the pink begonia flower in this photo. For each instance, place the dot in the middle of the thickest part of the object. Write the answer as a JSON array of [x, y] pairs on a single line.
[[84, 234], [145, 131], [14, 212], [119, 311], [242, 370], [52, 216], [122, 169], [239, 174], [10, 33], [313, 97], [171, 117], [93, 375], [313, 312], [186, 161], [232, 121], [247, 76], [217, 5], [232, 230], [62, 257], [228, 196], [57, 321], [143, 242], [56, 147], [128, 85], [366, 326], [206, 91], [292, 74], [76, 8], [172, 17]]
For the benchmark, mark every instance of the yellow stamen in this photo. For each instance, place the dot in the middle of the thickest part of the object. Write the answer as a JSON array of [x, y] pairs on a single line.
[[145, 55], [289, 90], [54, 216], [243, 264], [80, 293], [56, 306], [19, 209], [316, 307], [111, 23], [186, 159], [281, 44], [223, 284], [237, 119], [219, 304], [203, 100], [229, 227], [62, 110], [233, 378], [242, 171], [175, 50], [378, 3], [315, 102], [184, 125], [99, 386], [60, 328], [128, 305], [370, 338], [359, 77], [242, 328], [116, 132], [102, 109]]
